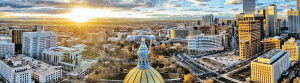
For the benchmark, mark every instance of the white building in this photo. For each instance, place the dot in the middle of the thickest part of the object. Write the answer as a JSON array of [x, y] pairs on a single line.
[[249, 6], [6, 49], [33, 43], [15, 71], [62, 56], [143, 34], [42, 72], [269, 67], [205, 43]]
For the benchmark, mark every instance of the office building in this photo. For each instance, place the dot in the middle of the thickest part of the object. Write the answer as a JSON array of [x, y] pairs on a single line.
[[249, 36], [15, 71], [216, 21], [62, 56], [292, 46], [207, 20], [271, 20], [249, 6], [96, 37], [298, 5], [275, 40], [6, 38], [6, 49], [269, 67], [239, 17], [34, 43], [293, 21], [40, 71], [17, 35], [205, 43], [178, 33]]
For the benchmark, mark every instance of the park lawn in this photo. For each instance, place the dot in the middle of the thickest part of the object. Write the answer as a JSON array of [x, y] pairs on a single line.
[[90, 53]]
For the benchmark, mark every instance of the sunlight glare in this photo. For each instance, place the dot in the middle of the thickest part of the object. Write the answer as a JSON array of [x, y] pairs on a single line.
[[84, 14]]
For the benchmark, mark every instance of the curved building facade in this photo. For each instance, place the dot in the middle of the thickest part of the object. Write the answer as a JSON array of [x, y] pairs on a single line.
[[143, 73]]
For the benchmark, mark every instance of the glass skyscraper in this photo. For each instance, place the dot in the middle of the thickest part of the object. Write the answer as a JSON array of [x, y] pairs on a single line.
[[249, 6]]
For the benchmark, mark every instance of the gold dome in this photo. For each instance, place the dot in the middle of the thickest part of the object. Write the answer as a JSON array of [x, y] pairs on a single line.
[[149, 75]]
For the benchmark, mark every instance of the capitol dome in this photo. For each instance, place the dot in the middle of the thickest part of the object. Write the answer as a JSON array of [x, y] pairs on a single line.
[[143, 73]]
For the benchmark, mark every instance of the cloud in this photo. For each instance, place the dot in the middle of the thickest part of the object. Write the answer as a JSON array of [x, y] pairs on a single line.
[[198, 1], [289, 0], [219, 7], [159, 10], [232, 2], [277, 2], [233, 9], [261, 7], [170, 5], [210, 11], [43, 10], [182, 9], [76, 3], [208, 7], [287, 5], [200, 4]]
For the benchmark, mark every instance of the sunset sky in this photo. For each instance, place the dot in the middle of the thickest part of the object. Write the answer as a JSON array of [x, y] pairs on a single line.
[[163, 9]]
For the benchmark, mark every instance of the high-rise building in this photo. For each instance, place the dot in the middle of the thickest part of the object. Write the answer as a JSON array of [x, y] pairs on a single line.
[[293, 21], [269, 67], [207, 20], [257, 17], [6, 49], [205, 43], [34, 43], [292, 46], [275, 40], [15, 71], [271, 20], [249, 36], [249, 6], [239, 17], [17, 35], [298, 5]]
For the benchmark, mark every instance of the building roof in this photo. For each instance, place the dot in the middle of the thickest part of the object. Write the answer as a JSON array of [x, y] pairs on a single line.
[[271, 56], [143, 73], [38, 67], [62, 49], [137, 75]]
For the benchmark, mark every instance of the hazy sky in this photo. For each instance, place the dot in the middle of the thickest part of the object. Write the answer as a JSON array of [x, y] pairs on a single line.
[[161, 9]]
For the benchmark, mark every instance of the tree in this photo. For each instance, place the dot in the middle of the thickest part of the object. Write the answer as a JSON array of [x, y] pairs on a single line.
[[178, 47], [92, 79], [208, 81], [161, 59], [180, 71], [127, 53], [296, 80], [189, 78]]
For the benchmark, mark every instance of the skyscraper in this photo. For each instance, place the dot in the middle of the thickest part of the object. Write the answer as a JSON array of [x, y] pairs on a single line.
[[17, 35], [293, 21], [207, 20], [249, 6], [35, 42], [271, 20], [249, 36], [298, 5]]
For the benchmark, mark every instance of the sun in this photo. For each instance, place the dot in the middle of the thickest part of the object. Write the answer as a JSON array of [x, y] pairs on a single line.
[[84, 14]]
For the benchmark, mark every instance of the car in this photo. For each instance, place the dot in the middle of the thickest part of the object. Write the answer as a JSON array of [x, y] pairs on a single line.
[[71, 77], [78, 77]]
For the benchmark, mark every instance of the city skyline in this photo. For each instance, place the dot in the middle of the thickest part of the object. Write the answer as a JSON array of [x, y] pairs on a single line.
[[83, 10]]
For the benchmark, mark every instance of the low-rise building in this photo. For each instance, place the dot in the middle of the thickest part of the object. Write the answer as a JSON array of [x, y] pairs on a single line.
[[15, 71], [178, 33], [205, 43], [66, 57], [40, 71], [269, 67]]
